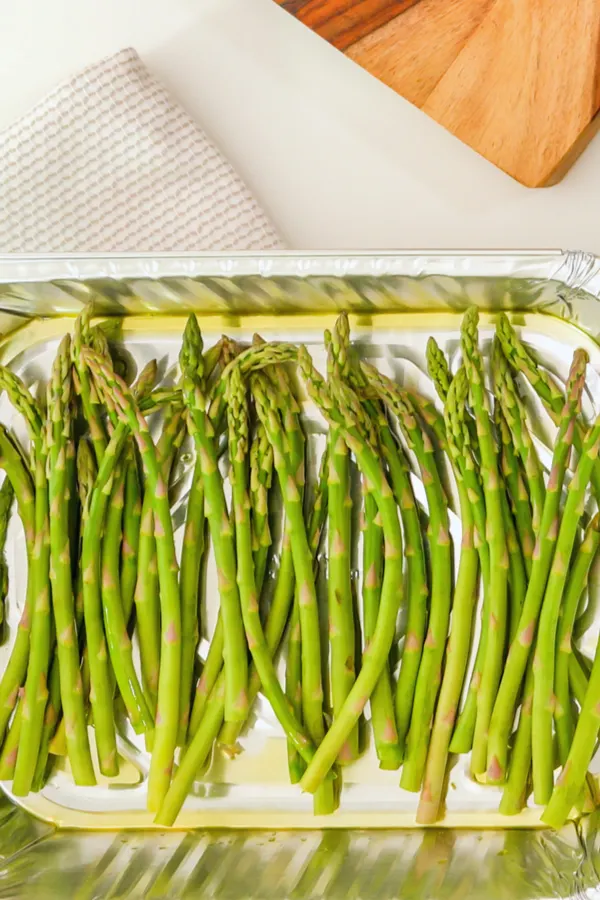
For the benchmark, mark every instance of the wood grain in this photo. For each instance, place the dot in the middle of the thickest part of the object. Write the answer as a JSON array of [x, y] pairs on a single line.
[[343, 22], [412, 52], [516, 80], [524, 90]]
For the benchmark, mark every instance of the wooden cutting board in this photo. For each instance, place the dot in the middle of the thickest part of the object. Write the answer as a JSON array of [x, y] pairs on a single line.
[[516, 80]]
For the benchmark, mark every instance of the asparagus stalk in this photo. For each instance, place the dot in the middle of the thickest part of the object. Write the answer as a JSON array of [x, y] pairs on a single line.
[[457, 654], [520, 648], [461, 436], [383, 719], [101, 693], [551, 395], [115, 624], [132, 508], [18, 474], [210, 724], [261, 474], [578, 678], [59, 431], [10, 748], [572, 778], [167, 714], [514, 795], [86, 478], [293, 668], [238, 450], [517, 564], [7, 494], [90, 402], [441, 577], [346, 410], [35, 695], [462, 451], [543, 694], [33, 700], [563, 713], [147, 600], [235, 650], [285, 595], [342, 638], [496, 538], [515, 416], [417, 589], [191, 561], [516, 494], [51, 717], [266, 404], [390, 725], [132, 515]]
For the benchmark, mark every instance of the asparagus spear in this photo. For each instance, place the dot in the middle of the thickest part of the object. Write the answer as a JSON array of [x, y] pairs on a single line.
[[390, 724], [284, 593], [417, 591], [266, 404], [235, 650], [515, 790], [516, 420], [441, 578], [462, 450], [115, 624], [90, 402], [261, 473], [563, 713], [346, 410], [211, 722], [438, 369], [167, 714], [214, 659], [383, 719], [543, 694], [10, 748], [551, 395], [86, 477], [191, 561], [238, 450], [18, 475], [293, 669], [132, 508], [342, 638], [101, 693], [517, 562], [35, 695], [496, 538], [132, 515], [572, 778], [519, 651], [457, 654], [578, 678], [147, 600], [461, 436], [515, 494], [7, 494], [59, 429]]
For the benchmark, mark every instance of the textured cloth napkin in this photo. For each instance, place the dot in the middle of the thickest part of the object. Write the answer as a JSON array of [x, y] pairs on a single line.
[[109, 162]]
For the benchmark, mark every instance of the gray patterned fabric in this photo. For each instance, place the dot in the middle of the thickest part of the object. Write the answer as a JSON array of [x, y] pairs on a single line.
[[109, 162]]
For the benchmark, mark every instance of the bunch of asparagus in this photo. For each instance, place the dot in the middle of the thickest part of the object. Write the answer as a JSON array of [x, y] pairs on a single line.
[[93, 495]]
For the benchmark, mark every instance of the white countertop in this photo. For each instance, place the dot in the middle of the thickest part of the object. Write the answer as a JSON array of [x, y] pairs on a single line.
[[338, 159]]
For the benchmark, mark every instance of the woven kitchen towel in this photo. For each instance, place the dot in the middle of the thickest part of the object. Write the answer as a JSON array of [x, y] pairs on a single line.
[[109, 162]]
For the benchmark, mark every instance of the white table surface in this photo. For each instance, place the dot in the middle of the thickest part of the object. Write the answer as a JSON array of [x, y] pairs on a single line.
[[338, 159]]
